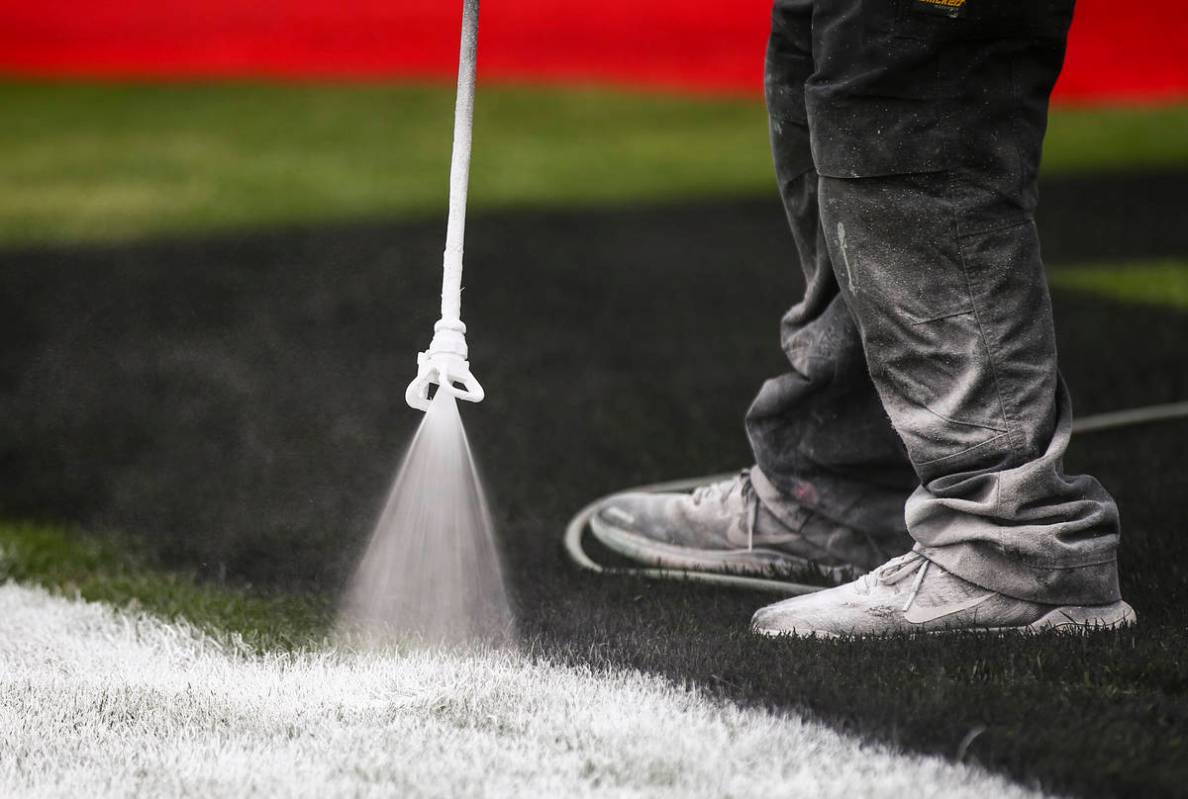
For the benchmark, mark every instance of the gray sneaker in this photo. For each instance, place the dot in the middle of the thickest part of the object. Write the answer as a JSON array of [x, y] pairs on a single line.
[[912, 594], [724, 527]]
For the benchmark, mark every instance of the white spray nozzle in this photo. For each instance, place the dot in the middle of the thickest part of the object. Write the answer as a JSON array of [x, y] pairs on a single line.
[[445, 365]]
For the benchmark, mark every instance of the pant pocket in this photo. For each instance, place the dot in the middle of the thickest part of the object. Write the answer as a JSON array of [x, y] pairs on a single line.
[[938, 384], [897, 251], [893, 245], [1009, 291]]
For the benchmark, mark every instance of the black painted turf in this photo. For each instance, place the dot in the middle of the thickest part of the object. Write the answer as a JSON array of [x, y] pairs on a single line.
[[238, 401]]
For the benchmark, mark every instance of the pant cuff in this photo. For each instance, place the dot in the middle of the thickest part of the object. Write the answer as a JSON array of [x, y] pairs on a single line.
[[774, 500], [985, 565]]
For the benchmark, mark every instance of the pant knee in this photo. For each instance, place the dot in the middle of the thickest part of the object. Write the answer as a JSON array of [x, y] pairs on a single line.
[[954, 318]]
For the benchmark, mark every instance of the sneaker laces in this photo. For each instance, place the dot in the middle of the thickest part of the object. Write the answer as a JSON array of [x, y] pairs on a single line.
[[724, 489], [897, 570]]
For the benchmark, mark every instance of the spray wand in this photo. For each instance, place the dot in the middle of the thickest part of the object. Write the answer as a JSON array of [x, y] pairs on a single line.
[[445, 362]]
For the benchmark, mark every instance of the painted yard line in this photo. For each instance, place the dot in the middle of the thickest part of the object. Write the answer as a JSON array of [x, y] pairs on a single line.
[[101, 702]]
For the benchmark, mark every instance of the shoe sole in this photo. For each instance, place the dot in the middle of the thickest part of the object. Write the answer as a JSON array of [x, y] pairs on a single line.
[[1071, 618], [1086, 617], [759, 562]]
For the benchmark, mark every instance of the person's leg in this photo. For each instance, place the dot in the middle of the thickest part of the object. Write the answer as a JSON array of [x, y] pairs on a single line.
[[818, 432], [831, 476], [956, 320], [927, 119]]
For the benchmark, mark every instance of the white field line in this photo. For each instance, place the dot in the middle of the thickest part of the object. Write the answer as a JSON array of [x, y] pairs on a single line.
[[96, 702]]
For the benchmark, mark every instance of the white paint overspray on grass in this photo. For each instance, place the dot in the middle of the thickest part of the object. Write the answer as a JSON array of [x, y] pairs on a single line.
[[431, 571], [102, 703]]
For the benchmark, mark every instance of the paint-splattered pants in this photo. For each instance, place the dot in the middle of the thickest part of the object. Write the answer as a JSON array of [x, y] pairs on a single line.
[[924, 398]]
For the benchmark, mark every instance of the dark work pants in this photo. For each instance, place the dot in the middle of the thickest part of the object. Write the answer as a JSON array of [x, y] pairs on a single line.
[[924, 398]]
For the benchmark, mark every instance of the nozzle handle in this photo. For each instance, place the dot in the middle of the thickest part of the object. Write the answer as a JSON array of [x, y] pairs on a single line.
[[444, 364], [445, 372]]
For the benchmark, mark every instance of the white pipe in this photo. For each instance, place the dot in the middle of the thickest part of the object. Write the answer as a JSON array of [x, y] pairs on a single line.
[[445, 362], [451, 282]]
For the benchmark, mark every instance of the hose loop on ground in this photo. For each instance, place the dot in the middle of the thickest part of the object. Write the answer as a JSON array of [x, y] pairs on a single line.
[[1114, 420]]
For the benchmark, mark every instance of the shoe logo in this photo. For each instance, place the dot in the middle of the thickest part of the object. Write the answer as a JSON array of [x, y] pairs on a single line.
[[919, 615]]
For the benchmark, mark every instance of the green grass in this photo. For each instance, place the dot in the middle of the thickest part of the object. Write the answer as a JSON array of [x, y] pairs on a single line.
[[1096, 140], [114, 162], [235, 407], [118, 162], [1163, 282], [119, 570]]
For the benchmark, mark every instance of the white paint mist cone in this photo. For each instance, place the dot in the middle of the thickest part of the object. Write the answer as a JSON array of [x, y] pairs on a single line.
[[431, 573]]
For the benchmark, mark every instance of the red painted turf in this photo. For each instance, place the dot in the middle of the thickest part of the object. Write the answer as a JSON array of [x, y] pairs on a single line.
[[1120, 51]]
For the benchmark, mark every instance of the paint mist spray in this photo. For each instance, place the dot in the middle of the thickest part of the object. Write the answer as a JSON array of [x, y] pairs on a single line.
[[431, 573]]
